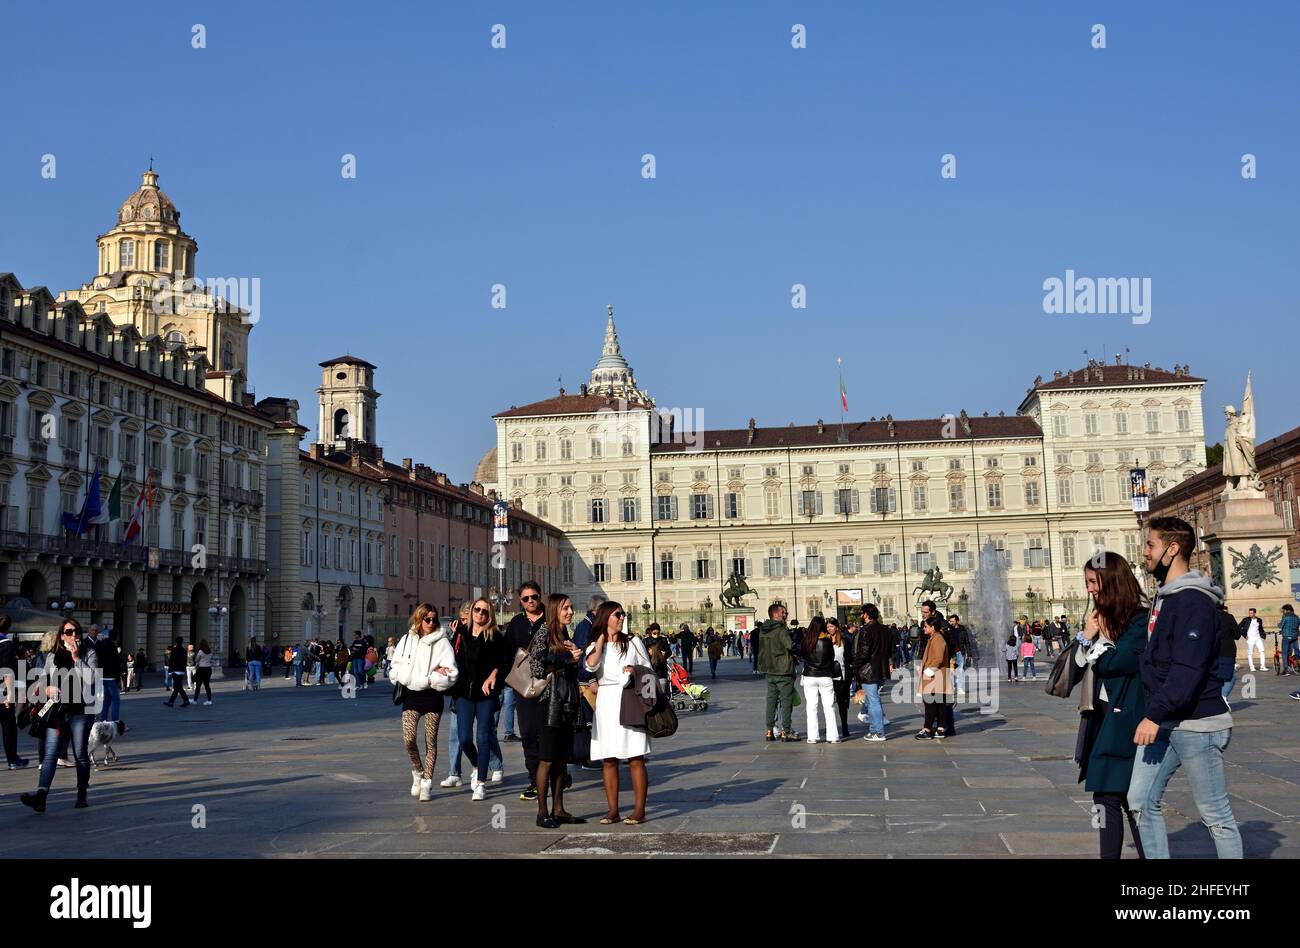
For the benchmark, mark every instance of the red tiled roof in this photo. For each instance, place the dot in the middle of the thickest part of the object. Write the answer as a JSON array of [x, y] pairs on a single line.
[[571, 405], [1115, 376], [862, 432]]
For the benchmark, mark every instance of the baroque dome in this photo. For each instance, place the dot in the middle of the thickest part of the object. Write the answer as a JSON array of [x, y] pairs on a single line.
[[148, 204]]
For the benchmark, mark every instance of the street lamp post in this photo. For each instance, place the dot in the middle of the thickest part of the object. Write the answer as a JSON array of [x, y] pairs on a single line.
[[645, 608], [215, 611], [64, 605]]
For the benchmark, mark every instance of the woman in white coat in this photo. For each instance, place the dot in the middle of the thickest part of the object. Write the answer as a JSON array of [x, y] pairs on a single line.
[[612, 655], [425, 666]]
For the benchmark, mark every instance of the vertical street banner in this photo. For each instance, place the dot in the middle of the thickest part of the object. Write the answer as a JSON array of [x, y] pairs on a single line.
[[500, 522], [1137, 478]]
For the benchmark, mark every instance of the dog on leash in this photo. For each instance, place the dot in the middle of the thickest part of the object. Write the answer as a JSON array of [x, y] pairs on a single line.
[[101, 735]]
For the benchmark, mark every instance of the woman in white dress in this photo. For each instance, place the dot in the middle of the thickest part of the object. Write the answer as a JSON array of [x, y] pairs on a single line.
[[612, 655]]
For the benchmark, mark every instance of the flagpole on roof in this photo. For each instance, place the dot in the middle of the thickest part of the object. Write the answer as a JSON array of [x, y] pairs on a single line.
[[839, 361]]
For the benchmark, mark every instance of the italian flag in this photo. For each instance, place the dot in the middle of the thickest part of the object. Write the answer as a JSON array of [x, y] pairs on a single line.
[[136, 524], [844, 395], [113, 509]]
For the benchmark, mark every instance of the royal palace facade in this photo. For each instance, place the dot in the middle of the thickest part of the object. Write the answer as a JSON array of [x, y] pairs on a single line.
[[658, 515]]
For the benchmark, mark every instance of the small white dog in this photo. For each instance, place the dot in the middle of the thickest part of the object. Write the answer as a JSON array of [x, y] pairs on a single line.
[[101, 735]]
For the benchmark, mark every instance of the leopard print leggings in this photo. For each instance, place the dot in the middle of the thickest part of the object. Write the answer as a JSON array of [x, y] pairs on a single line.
[[410, 721]]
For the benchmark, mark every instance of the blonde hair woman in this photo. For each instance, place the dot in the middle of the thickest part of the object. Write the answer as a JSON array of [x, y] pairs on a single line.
[[484, 657], [425, 666]]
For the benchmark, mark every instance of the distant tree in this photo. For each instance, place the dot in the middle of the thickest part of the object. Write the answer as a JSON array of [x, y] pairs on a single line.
[[1213, 454]]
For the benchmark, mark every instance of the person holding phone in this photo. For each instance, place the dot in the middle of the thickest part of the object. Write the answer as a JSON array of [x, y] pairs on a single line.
[[484, 657], [67, 720], [612, 655]]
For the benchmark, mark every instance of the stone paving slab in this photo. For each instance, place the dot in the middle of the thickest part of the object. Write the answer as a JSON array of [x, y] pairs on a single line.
[[300, 772]]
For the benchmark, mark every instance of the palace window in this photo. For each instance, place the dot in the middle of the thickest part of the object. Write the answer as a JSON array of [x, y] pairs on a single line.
[[850, 562], [957, 496], [1121, 422], [1064, 492], [566, 449], [1031, 493], [701, 506], [566, 570], [631, 509], [995, 495], [126, 255], [599, 573], [566, 511], [1095, 492], [665, 507], [731, 504], [772, 503], [516, 451], [739, 564], [990, 462], [884, 500], [539, 451], [598, 510], [631, 569], [846, 501], [1184, 419], [1031, 460], [1090, 423], [775, 564], [703, 565], [1153, 422], [844, 469], [810, 503], [958, 556], [807, 470], [920, 495], [954, 464], [596, 448], [814, 564], [769, 472], [160, 255], [885, 560], [922, 558], [667, 567], [1069, 551], [1035, 554]]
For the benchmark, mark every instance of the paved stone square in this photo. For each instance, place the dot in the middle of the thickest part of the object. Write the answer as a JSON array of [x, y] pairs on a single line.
[[292, 772]]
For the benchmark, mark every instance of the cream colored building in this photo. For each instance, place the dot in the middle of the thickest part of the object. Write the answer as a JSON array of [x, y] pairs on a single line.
[[662, 513]]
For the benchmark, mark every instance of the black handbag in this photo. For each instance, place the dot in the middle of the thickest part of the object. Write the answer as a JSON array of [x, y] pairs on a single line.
[[1065, 673], [42, 719], [661, 721], [399, 692]]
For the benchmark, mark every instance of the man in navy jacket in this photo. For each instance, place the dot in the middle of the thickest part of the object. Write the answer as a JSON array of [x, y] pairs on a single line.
[[1188, 723]]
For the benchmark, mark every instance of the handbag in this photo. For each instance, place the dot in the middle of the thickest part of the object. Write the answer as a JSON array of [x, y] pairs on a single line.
[[521, 677], [1065, 673], [399, 693], [661, 721], [1088, 691]]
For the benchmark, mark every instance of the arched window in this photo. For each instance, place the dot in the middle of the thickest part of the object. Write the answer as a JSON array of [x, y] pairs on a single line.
[[341, 427], [160, 255]]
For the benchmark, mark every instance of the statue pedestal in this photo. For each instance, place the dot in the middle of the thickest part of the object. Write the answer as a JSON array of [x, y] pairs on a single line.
[[1248, 555], [740, 619]]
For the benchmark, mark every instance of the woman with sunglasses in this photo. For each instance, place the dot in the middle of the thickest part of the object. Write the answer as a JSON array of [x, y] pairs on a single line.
[[612, 655], [484, 659], [425, 666], [553, 653], [68, 679]]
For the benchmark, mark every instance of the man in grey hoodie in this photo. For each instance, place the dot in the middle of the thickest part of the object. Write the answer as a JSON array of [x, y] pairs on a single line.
[[1188, 723]]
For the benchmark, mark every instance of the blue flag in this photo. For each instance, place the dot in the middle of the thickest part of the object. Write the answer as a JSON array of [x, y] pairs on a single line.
[[90, 510]]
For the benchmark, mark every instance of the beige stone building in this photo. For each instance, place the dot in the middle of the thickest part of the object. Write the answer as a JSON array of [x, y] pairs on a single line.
[[656, 511]]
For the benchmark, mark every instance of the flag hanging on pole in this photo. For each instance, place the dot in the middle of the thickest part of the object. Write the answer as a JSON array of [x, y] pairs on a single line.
[[90, 510], [844, 395], [113, 509], [135, 525]]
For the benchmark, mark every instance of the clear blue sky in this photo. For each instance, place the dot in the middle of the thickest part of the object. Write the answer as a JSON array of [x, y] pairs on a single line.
[[775, 166]]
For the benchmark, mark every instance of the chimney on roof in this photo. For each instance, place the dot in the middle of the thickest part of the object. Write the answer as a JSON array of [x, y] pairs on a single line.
[[1056, 374], [821, 426], [890, 419], [965, 422], [1119, 359], [1002, 414], [986, 414], [750, 437], [582, 389], [406, 464], [561, 391], [1070, 377]]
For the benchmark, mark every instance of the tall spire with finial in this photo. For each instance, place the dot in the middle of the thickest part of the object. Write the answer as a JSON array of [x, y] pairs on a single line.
[[612, 375]]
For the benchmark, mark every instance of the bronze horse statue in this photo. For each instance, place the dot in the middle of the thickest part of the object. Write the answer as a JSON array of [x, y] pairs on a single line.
[[734, 590], [933, 583]]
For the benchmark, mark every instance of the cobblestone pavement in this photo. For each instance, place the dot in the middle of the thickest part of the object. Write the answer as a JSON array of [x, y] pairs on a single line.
[[291, 772]]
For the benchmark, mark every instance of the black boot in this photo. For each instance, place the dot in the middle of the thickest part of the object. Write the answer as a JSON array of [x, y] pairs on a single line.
[[34, 800], [81, 803]]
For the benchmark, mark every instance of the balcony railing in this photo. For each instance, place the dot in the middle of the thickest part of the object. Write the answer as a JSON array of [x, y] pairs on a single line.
[[38, 449], [71, 457], [241, 495]]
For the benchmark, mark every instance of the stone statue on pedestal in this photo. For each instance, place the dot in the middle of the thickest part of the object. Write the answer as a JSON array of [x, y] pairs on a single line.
[[1239, 465]]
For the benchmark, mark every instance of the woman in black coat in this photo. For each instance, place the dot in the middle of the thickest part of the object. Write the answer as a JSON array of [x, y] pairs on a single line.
[[551, 652]]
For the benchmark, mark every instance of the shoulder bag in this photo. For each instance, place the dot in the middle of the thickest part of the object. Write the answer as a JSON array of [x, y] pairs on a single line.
[[521, 677]]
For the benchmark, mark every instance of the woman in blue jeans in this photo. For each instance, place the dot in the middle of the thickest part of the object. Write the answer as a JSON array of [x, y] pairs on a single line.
[[68, 679], [483, 657]]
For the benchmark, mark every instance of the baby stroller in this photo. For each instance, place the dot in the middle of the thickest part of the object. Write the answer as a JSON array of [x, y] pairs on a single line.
[[684, 695]]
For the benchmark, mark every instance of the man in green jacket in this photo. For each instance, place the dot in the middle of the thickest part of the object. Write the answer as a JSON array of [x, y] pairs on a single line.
[[776, 662]]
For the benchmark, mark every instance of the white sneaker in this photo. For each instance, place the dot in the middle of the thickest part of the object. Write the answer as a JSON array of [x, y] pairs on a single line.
[[498, 776], [206, 703], [426, 789], [480, 793], [862, 717], [451, 781], [415, 783]]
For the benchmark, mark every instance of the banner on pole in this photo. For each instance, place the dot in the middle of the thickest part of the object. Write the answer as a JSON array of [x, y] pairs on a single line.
[[500, 522], [1137, 478]]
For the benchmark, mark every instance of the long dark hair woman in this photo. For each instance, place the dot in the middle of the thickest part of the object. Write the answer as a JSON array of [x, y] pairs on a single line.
[[612, 655], [68, 679], [936, 682], [1115, 635], [552, 652], [819, 680], [484, 659]]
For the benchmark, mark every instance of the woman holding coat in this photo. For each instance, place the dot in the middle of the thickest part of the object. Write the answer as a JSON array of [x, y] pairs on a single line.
[[1115, 635], [551, 652], [936, 682]]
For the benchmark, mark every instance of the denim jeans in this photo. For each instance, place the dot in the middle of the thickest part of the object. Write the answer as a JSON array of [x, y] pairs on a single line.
[[77, 729], [358, 672], [959, 674], [1289, 647], [254, 673], [454, 753], [297, 673], [508, 711], [875, 709], [112, 702], [1201, 757], [1228, 674], [474, 725], [1029, 668]]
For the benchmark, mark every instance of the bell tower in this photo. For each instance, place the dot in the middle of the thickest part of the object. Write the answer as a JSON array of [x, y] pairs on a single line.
[[347, 401]]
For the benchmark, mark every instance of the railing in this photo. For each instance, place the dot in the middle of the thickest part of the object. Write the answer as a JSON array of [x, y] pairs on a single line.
[[240, 495], [38, 449], [71, 457]]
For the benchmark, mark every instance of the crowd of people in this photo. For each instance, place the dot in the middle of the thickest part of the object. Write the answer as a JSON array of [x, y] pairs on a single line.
[[1154, 678]]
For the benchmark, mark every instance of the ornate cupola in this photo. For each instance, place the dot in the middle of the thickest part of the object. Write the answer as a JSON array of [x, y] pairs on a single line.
[[612, 375], [148, 236]]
